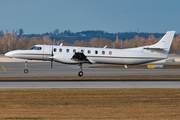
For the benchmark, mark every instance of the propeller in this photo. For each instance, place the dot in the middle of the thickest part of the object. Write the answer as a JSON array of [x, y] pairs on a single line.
[[52, 57]]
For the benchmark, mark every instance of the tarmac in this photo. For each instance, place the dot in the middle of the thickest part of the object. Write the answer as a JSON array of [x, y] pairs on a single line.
[[11, 68]]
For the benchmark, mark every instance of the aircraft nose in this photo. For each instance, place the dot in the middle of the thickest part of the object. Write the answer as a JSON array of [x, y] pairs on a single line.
[[9, 54]]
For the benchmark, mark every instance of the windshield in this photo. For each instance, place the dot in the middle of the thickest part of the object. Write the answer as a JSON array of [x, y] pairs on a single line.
[[35, 48]]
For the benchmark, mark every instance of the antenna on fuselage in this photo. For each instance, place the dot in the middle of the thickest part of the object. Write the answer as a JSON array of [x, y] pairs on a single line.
[[61, 44], [105, 46]]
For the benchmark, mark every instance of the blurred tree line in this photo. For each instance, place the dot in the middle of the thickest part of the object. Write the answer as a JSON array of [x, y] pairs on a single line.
[[12, 41], [87, 35]]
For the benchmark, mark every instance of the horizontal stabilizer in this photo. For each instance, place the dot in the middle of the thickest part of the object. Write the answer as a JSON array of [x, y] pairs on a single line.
[[154, 48]]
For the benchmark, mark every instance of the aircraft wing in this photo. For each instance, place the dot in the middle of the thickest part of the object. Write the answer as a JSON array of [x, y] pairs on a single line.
[[80, 57]]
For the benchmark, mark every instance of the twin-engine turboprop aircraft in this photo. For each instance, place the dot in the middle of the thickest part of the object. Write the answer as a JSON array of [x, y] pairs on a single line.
[[152, 54]]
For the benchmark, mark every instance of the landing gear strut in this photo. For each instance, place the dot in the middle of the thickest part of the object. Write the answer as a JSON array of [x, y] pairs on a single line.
[[80, 74], [26, 67]]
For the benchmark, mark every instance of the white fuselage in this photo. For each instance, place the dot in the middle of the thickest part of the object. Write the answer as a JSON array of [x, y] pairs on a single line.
[[63, 54]]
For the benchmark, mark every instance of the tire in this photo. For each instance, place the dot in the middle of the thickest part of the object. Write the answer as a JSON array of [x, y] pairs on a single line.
[[26, 71], [80, 74]]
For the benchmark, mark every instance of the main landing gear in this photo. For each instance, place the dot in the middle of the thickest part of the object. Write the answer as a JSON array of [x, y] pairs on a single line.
[[80, 74], [26, 67]]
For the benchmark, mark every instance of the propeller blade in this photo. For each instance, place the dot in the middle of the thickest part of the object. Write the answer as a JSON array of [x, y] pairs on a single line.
[[52, 54]]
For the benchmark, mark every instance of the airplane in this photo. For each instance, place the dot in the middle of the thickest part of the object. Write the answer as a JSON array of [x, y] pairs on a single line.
[[151, 54]]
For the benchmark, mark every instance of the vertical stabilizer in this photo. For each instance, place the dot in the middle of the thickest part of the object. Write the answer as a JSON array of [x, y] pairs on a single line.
[[163, 44]]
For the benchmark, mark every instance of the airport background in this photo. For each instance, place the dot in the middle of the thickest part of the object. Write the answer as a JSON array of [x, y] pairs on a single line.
[[14, 40]]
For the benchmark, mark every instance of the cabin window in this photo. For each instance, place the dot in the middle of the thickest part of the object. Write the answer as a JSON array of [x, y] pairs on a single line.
[[60, 50], [55, 49], [103, 52], [82, 51], [74, 50], [89, 51], [96, 52], [110, 52], [67, 50]]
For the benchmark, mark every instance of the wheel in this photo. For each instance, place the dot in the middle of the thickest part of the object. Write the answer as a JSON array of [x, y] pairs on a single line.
[[80, 74], [26, 71]]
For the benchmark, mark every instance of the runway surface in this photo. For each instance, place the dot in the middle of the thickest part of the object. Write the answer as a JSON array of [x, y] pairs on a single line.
[[87, 84], [38, 69]]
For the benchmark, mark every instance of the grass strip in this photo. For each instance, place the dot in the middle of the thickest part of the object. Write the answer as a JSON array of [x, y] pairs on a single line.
[[80, 104]]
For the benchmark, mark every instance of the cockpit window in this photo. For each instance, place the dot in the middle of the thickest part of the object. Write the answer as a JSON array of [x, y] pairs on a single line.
[[38, 48], [35, 48], [32, 48]]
